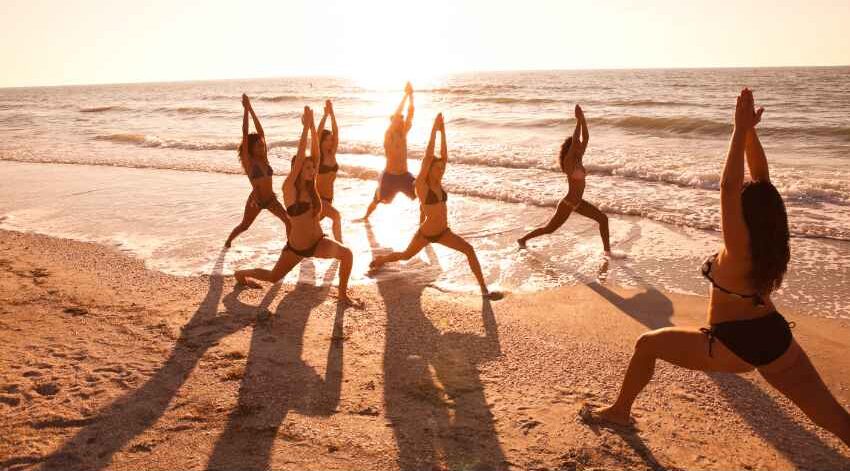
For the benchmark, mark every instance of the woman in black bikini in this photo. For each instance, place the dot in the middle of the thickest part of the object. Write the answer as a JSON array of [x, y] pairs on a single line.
[[572, 152], [328, 167], [435, 226], [253, 154], [746, 332], [305, 208]]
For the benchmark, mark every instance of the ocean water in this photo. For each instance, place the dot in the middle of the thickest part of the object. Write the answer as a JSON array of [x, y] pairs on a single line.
[[152, 168]]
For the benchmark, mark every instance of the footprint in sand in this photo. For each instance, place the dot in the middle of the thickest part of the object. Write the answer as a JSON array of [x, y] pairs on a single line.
[[47, 389]]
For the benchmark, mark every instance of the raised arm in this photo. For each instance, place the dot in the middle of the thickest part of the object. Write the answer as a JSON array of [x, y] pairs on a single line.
[[585, 133], [314, 142], [444, 151], [301, 154], [245, 106], [250, 109], [408, 122], [735, 234], [322, 121], [756, 159], [401, 105], [425, 169], [334, 127]]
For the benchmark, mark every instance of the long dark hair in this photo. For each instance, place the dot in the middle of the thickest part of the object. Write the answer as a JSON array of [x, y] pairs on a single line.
[[252, 139], [315, 199], [767, 222], [565, 149]]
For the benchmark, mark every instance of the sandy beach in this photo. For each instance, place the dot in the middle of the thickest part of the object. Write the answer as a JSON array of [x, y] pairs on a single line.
[[106, 364]]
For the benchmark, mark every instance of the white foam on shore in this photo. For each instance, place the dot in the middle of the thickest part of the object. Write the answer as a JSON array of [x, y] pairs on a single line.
[[177, 222]]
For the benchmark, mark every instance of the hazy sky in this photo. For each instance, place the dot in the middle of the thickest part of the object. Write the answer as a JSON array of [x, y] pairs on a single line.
[[45, 42]]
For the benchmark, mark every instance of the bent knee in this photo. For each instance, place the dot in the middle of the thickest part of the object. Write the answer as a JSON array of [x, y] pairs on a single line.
[[603, 220], [345, 254], [647, 344]]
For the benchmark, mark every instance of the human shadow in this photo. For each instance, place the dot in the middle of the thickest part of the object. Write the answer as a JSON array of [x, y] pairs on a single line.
[[118, 423], [276, 379], [802, 447], [433, 394]]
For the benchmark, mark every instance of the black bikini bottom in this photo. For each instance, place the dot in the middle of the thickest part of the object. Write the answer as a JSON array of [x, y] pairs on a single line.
[[757, 341], [433, 238], [306, 253]]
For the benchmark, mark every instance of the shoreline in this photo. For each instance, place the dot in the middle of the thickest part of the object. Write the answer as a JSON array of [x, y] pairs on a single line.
[[106, 363], [176, 221]]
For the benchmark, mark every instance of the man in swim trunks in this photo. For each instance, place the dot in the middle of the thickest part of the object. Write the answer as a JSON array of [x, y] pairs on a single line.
[[395, 177]]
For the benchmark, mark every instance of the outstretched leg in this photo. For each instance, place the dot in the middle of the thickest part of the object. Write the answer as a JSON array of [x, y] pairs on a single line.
[[685, 347], [251, 212], [373, 204], [284, 265], [329, 248], [416, 244], [794, 376], [456, 242], [589, 211], [561, 214]]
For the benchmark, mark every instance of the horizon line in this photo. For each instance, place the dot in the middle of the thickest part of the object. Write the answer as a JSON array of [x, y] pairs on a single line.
[[462, 72]]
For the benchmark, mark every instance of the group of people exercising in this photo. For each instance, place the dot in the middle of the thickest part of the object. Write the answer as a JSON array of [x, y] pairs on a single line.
[[745, 330]]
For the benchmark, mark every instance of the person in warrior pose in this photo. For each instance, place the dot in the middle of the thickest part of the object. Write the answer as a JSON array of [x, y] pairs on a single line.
[[435, 226], [328, 167], [745, 331], [570, 159], [304, 206], [395, 177], [253, 154]]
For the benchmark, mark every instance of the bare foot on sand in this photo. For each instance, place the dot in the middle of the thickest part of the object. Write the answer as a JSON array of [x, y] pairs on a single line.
[[605, 416], [347, 300], [521, 243], [493, 295], [241, 279]]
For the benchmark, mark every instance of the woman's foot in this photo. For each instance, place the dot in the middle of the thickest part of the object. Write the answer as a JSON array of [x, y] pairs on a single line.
[[521, 243], [492, 295], [604, 415], [241, 279], [377, 262], [227, 243]]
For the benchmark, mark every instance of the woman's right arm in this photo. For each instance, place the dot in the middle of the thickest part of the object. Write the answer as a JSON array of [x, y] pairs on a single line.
[[400, 108], [735, 233], [245, 129], [756, 158], [300, 156], [334, 127], [425, 169]]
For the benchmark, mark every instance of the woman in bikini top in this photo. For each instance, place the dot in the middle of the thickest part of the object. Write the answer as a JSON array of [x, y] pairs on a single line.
[[305, 207], [570, 160], [253, 155], [746, 332], [434, 228], [328, 168]]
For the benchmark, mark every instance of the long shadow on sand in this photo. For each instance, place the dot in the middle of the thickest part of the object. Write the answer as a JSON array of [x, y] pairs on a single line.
[[800, 446], [276, 380], [128, 416], [433, 394]]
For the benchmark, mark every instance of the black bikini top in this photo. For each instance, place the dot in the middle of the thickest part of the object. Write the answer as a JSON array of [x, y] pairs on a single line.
[[299, 208], [328, 168], [257, 171], [432, 198], [706, 272]]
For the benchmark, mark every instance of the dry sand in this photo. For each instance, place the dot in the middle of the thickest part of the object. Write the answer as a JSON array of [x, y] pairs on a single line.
[[104, 364]]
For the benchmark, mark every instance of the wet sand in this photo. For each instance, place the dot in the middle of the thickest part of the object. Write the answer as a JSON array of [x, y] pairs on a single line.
[[105, 364]]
